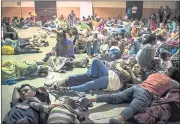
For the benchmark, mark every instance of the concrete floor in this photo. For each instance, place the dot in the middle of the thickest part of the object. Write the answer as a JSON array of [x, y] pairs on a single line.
[[96, 113]]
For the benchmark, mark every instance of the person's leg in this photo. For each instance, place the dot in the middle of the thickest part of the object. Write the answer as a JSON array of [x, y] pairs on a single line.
[[142, 99], [77, 80], [88, 48], [95, 47], [100, 83], [117, 98], [97, 69]]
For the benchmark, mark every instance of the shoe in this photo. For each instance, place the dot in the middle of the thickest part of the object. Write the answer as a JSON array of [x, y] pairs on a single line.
[[84, 103], [64, 89]]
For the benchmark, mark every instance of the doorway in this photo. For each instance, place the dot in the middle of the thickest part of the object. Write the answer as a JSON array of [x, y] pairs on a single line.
[[139, 5], [46, 9]]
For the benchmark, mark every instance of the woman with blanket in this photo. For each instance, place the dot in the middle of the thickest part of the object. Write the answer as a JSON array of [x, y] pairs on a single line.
[[110, 76]]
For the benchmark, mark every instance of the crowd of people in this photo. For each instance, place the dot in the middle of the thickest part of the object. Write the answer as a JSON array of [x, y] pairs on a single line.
[[139, 59]]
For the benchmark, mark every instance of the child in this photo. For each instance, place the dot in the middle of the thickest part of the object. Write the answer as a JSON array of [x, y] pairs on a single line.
[[165, 60]]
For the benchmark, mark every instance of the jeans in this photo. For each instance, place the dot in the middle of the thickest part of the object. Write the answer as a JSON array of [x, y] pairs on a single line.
[[95, 78], [71, 22], [92, 50], [139, 98]]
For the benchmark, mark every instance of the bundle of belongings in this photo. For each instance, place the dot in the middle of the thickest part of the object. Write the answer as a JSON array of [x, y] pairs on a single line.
[[63, 64], [39, 40], [15, 71], [163, 110]]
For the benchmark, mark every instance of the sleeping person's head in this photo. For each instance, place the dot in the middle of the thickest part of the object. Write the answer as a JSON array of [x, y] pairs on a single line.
[[27, 91], [173, 73]]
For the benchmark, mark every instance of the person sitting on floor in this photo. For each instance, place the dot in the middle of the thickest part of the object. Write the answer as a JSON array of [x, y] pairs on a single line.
[[100, 75], [64, 46], [92, 45], [8, 30], [140, 96], [147, 52], [165, 57]]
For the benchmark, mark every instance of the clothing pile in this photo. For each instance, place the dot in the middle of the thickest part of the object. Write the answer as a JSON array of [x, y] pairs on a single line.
[[161, 110]]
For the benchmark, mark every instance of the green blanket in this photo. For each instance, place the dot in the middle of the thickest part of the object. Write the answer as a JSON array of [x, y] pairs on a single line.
[[17, 70]]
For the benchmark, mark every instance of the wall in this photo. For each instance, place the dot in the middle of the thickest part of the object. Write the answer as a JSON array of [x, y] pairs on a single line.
[[64, 8], [107, 9], [11, 9], [85, 8], [103, 8], [150, 7]]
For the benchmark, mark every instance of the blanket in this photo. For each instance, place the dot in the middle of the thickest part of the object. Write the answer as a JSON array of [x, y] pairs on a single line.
[[162, 109], [12, 70], [58, 64]]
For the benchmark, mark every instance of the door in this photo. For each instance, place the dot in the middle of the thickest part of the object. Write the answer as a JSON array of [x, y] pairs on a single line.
[[139, 5], [47, 9]]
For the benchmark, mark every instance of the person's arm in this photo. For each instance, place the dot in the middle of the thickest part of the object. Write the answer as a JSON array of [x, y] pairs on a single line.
[[16, 94], [175, 84], [41, 107], [135, 80], [150, 54]]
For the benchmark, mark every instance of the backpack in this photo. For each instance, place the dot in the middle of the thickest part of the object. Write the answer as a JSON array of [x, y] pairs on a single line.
[[8, 50]]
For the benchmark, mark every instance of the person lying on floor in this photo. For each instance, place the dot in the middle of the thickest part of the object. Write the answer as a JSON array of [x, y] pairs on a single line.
[[64, 46], [66, 112], [20, 46], [21, 112], [12, 70], [100, 75], [140, 96]]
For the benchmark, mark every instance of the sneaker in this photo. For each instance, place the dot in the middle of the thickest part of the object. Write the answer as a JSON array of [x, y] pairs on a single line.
[[84, 102]]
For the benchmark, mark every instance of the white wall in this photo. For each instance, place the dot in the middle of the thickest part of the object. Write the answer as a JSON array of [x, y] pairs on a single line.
[[86, 8]]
